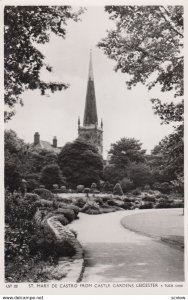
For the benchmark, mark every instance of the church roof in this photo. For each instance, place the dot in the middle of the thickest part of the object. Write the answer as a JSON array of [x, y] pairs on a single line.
[[90, 113]]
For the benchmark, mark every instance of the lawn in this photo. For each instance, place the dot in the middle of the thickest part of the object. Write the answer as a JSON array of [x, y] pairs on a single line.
[[166, 224]]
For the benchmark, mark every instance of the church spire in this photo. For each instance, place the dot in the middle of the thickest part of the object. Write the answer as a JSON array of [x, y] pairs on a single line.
[[90, 113]]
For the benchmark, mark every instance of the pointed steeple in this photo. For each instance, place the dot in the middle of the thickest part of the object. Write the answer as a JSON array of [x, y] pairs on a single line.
[[90, 113]]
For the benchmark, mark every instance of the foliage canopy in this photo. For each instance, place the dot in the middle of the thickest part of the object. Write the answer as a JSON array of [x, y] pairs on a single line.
[[25, 26]]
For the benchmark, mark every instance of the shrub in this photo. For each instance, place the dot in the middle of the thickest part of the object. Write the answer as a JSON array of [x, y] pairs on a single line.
[[62, 219], [91, 211], [90, 208], [148, 198], [55, 186], [115, 202], [126, 184], [68, 213], [128, 200], [74, 208], [147, 187], [12, 176], [74, 232], [127, 205], [31, 197], [136, 192], [177, 204], [80, 202], [63, 189], [44, 203], [99, 201], [44, 193], [93, 186], [105, 198], [146, 205], [87, 191], [117, 189], [64, 200], [163, 187], [19, 227], [80, 188], [32, 184], [163, 205]]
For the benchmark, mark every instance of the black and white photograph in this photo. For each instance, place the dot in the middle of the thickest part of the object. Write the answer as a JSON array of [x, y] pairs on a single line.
[[94, 145]]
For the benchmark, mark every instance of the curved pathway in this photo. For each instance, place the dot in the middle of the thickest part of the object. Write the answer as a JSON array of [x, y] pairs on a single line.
[[113, 253]]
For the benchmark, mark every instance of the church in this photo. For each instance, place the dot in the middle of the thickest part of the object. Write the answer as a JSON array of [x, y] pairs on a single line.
[[90, 130]]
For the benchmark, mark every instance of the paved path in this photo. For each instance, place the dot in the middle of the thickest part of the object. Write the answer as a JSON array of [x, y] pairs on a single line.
[[113, 253]]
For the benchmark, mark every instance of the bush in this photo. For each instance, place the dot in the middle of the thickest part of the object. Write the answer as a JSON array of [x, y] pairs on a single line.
[[128, 199], [44, 193], [90, 208], [86, 191], [55, 186], [44, 203], [91, 211], [127, 205], [99, 201], [163, 205], [63, 189], [75, 209], [64, 200], [148, 198], [31, 197], [80, 202], [117, 189], [126, 184], [106, 198], [163, 187], [177, 204], [80, 188], [147, 187], [136, 192], [147, 206], [62, 219], [19, 227], [93, 186], [68, 213]]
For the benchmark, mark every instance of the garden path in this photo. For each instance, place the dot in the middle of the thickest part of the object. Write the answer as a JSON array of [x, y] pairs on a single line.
[[114, 253]]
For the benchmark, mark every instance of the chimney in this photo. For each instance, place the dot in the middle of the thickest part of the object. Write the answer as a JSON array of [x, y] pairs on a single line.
[[54, 142], [36, 138]]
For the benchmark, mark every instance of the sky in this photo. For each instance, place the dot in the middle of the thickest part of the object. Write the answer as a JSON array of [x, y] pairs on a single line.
[[125, 113]]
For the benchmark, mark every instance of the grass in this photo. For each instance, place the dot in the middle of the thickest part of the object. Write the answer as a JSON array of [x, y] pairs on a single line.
[[166, 224]]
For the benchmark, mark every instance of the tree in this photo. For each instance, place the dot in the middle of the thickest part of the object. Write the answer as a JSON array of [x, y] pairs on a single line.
[[40, 158], [25, 26], [51, 174], [126, 184], [80, 163], [140, 174], [125, 151], [168, 157], [147, 44], [114, 174], [22, 159], [15, 154]]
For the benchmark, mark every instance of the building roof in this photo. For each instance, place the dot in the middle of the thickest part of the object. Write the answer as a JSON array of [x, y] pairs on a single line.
[[90, 113], [47, 146]]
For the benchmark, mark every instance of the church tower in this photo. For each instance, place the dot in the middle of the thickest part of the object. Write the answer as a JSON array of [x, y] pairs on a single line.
[[90, 131]]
